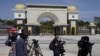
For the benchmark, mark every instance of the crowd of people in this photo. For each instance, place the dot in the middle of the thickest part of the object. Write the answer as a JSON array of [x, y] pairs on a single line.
[[17, 41]]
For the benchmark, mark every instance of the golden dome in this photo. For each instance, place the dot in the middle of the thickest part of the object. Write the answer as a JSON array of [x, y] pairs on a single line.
[[19, 6], [72, 8]]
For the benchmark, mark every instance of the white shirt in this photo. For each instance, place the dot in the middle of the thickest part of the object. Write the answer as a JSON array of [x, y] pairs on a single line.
[[19, 31]]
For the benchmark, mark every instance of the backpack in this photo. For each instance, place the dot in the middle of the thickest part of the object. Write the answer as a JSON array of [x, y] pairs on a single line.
[[8, 42], [10, 39]]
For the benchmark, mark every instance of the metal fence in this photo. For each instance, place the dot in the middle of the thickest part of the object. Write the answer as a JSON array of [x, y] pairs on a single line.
[[3, 32]]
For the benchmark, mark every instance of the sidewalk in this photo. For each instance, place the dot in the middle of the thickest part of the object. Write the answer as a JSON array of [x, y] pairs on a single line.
[[50, 37], [44, 48], [71, 49]]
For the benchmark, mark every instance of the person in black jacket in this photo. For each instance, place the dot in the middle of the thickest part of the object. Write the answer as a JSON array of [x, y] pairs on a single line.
[[79, 46], [55, 46], [84, 46]]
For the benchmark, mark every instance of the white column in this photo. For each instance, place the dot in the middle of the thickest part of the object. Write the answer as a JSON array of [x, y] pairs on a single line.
[[93, 31]]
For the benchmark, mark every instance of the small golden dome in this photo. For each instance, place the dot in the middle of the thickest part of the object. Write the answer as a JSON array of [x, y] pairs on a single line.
[[19, 6], [72, 8]]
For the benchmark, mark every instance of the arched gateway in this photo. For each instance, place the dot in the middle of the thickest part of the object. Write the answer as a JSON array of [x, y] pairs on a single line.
[[64, 17]]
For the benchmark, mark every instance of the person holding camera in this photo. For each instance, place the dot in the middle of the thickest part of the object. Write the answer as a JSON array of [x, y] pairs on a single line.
[[56, 46]]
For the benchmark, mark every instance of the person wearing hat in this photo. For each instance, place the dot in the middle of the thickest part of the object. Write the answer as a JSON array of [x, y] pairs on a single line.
[[11, 41]]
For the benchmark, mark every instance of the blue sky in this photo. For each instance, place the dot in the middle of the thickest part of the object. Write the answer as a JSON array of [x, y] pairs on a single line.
[[88, 8]]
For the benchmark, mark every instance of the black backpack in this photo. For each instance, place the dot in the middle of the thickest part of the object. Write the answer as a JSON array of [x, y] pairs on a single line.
[[8, 42], [10, 39]]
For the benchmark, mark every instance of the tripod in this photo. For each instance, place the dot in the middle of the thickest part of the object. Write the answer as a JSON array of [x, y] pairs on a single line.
[[35, 49]]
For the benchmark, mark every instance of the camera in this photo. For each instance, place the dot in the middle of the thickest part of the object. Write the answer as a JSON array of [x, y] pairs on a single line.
[[62, 42], [35, 41], [62, 50]]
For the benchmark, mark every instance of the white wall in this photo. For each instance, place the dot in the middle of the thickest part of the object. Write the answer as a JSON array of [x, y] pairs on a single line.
[[92, 31], [16, 15], [34, 13], [75, 16], [73, 23]]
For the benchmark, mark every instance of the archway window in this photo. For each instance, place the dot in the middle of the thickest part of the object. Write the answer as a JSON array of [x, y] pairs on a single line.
[[49, 15], [73, 30], [46, 25], [44, 19]]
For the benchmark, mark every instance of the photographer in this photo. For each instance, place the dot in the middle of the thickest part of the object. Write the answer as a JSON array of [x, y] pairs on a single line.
[[56, 46]]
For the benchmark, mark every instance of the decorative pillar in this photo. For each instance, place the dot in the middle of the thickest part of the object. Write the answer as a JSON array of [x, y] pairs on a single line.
[[60, 29], [37, 30], [30, 30], [33, 29], [92, 28], [56, 29], [72, 20], [19, 15], [64, 30]]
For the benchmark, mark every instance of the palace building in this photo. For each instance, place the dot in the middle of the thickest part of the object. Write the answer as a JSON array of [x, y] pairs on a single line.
[[65, 17]]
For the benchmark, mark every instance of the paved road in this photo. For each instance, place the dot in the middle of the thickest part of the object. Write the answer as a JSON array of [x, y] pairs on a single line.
[[70, 46], [71, 50], [68, 41]]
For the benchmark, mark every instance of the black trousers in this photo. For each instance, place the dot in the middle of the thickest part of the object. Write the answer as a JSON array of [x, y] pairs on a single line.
[[56, 53], [84, 53]]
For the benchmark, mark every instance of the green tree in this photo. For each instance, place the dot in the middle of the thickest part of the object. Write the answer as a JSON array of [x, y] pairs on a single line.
[[83, 23], [86, 23], [10, 22], [46, 26]]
